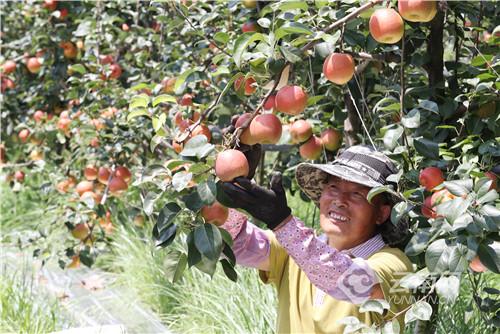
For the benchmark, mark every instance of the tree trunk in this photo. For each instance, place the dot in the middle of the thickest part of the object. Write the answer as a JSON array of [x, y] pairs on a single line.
[[435, 50]]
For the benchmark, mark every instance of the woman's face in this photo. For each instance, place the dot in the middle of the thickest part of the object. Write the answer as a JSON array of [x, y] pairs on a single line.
[[346, 216]]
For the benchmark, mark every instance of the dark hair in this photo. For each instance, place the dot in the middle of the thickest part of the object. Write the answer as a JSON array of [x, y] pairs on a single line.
[[395, 235]]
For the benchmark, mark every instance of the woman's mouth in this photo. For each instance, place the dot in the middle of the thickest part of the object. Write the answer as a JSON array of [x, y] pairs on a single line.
[[338, 218]]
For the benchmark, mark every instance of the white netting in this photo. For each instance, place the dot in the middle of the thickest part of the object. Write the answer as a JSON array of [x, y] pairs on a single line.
[[89, 297]]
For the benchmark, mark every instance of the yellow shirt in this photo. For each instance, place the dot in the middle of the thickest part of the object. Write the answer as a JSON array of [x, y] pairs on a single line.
[[300, 309]]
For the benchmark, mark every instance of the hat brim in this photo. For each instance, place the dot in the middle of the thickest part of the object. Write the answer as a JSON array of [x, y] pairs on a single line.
[[312, 177]]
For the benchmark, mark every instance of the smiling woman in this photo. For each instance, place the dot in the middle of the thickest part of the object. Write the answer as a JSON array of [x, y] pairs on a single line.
[[332, 274]]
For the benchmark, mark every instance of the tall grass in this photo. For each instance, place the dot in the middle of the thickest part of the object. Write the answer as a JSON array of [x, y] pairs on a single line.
[[198, 303], [24, 308], [18, 210]]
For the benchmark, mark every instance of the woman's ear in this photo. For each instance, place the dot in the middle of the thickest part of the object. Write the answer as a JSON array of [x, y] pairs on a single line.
[[384, 213]]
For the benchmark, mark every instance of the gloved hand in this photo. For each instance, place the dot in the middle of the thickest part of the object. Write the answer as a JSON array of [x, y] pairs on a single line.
[[267, 205]]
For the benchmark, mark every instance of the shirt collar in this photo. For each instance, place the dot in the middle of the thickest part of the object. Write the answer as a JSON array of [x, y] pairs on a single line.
[[364, 250]]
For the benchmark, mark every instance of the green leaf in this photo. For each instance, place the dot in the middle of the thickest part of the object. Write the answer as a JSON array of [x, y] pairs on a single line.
[[78, 68], [387, 103], [489, 257], [264, 22], [314, 99], [228, 252], [167, 215], [193, 201], [207, 191], [290, 55], [83, 28], [414, 280], [490, 210], [156, 140], [167, 236], [88, 256], [220, 70], [158, 122], [292, 28], [437, 256], [61, 138], [229, 270], [418, 242], [331, 39], [140, 86], [462, 222], [221, 37], [392, 136], [453, 209], [490, 196], [242, 43], [180, 82], [374, 305], [149, 202], [172, 164], [197, 147], [180, 267], [375, 191], [457, 188], [429, 105], [482, 186], [289, 5], [208, 241], [164, 98], [391, 327], [199, 168], [139, 101], [399, 211], [448, 288], [181, 180], [419, 311], [226, 237], [207, 266], [480, 60], [352, 324], [427, 148], [412, 119], [194, 255], [137, 113]]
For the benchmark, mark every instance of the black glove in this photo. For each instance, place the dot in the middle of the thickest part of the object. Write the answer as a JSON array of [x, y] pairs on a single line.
[[267, 205]]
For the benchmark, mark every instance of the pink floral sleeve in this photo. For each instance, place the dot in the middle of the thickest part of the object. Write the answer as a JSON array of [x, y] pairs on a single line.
[[334, 272], [251, 246]]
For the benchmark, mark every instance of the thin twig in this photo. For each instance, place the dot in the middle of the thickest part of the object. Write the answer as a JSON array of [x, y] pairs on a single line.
[[106, 190], [360, 118], [22, 164], [201, 33], [342, 21], [402, 96]]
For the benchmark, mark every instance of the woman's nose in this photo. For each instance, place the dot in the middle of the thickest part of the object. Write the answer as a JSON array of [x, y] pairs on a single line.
[[340, 200]]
